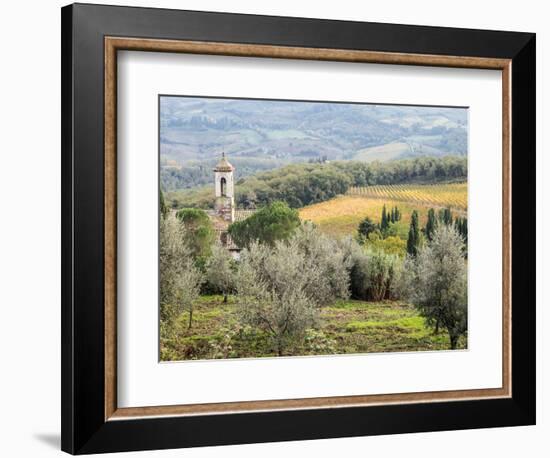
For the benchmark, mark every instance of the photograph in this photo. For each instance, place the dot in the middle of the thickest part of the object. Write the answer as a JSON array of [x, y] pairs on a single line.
[[274, 229], [304, 228]]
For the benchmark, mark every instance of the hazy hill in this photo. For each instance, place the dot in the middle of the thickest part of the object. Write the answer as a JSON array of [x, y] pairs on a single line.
[[260, 135]]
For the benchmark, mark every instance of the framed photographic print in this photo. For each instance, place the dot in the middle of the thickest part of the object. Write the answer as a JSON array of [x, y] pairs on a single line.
[[281, 228]]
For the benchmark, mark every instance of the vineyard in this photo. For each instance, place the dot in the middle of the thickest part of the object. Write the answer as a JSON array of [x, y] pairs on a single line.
[[341, 215], [454, 195]]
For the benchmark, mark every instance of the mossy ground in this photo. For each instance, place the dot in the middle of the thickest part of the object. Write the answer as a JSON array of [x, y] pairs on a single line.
[[346, 327]]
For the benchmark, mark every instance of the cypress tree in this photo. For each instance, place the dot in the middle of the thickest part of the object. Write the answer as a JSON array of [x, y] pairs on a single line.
[[162, 205], [431, 224], [458, 226], [441, 216], [384, 222], [395, 214], [461, 226], [445, 216], [448, 217], [413, 240]]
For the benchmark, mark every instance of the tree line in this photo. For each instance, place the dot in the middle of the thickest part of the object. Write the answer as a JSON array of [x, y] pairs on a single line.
[[303, 184], [199, 173]]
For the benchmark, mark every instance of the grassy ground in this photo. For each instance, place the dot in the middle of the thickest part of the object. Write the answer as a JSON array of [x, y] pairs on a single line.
[[346, 327]]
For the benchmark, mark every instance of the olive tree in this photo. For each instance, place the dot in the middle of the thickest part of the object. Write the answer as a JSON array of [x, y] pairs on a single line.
[[281, 288], [373, 273], [180, 280], [383, 271], [325, 265], [356, 260], [436, 283], [271, 292], [220, 271]]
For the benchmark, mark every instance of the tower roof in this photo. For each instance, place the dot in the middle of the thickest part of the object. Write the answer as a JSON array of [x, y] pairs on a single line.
[[223, 165]]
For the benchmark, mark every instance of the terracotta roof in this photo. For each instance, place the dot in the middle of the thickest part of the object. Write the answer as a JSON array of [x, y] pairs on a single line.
[[223, 165]]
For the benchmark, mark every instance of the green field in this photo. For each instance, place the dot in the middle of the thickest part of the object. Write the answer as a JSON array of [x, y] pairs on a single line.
[[346, 327]]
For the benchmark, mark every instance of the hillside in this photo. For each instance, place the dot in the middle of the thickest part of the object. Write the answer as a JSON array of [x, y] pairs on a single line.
[[261, 134], [341, 216], [384, 152]]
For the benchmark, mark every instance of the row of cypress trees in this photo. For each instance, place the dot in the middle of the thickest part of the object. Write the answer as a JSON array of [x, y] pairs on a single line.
[[444, 217], [389, 217], [416, 233]]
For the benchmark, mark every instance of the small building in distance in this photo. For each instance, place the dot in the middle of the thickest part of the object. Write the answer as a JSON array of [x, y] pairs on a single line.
[[224, 190], [224, 212]]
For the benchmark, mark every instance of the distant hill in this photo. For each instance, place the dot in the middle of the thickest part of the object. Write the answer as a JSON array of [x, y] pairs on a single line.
[[383, 152], [262, 135]]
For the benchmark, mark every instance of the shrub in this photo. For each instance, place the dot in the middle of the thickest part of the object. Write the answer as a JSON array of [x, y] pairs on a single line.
[[357, 265], [373, 274], [390, 245], [366, 227], [220, 271], [382, 272], [324, 264]]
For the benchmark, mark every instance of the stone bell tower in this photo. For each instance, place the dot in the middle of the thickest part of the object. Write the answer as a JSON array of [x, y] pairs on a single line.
[[223, 185]]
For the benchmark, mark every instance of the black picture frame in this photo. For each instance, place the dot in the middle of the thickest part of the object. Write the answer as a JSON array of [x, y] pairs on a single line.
[[84, 428]]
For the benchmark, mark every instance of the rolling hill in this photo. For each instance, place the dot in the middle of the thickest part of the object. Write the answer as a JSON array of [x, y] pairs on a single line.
[[261, 134]]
